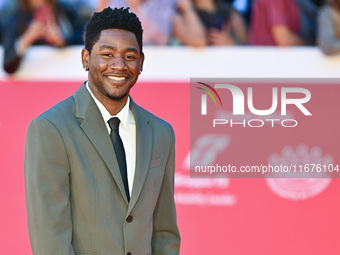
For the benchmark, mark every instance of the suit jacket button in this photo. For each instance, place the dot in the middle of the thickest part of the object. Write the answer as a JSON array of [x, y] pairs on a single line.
[[129, 219]]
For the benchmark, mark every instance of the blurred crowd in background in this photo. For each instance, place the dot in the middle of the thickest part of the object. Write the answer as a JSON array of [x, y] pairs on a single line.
[[196, 23]]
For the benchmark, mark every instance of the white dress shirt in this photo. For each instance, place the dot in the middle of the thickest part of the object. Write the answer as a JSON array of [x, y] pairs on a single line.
[[127, 132]]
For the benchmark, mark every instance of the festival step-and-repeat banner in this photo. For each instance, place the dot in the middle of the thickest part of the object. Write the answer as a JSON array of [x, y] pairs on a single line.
[[219, 211]]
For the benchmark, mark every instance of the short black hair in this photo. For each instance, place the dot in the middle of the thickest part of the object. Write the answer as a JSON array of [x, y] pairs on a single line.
[[110, 18]]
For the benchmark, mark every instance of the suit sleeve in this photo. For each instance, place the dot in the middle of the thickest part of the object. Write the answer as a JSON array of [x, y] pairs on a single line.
[[47, 185], [166, 238]]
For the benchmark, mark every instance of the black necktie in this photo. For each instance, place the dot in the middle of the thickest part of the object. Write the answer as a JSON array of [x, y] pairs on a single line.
[[120, 152]]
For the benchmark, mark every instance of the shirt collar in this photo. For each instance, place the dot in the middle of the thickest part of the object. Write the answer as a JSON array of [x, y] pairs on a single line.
[[123, 115]]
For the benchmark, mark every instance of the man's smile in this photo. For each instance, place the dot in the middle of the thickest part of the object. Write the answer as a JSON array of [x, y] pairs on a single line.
[[117, 78]]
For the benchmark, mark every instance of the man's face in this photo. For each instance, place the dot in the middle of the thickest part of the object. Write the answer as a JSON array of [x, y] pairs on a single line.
[[114, 64]]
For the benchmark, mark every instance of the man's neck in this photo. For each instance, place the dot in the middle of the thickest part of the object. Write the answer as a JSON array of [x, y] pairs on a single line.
[[113, 106]]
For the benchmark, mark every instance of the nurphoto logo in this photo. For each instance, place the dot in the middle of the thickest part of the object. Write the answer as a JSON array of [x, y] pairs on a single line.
[[237, 125], [284, 96]]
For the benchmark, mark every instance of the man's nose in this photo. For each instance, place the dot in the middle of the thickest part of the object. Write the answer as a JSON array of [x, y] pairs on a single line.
[[118, 63]]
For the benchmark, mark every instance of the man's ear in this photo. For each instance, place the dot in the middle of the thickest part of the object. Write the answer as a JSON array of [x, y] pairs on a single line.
[[85, 58], [142, 57]]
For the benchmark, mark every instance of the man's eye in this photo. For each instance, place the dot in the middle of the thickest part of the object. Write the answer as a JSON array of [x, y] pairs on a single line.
[[107, 55], [130, 57]]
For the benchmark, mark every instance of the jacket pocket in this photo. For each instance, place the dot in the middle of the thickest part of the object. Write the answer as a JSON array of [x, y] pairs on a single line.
[[86, 253], [155, 162]]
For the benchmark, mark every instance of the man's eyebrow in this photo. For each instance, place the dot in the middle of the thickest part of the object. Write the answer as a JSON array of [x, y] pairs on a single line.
[[103, 47], [132, 49]]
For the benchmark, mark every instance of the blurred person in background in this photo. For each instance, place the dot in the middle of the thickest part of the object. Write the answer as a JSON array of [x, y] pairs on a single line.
[[329, 27], [84, 10], [1, 28], [282, 23], [308, 12], [36, 22], [188, 28], [221, 23], [244, 7], [155, 15]]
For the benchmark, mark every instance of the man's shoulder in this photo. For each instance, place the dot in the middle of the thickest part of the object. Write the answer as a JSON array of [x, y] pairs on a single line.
[[58, 117], [64, 110], [59, 111]]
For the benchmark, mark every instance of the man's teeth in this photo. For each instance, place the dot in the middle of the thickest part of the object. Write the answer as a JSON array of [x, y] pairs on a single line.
[[116, 78]]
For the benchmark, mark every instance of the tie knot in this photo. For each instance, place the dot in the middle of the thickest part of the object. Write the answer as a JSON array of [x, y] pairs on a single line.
[[114, 123]]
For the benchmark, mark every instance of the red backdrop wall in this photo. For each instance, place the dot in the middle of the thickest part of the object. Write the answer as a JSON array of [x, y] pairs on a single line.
[[215, 216]]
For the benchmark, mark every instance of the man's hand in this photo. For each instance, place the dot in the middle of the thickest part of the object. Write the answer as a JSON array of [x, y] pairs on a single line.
[[219, 37], [34, 32], [283, 36], [53, 35], [184, 5]]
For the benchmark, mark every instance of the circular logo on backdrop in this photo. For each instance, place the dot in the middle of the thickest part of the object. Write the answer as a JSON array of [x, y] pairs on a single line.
[[310, 184]]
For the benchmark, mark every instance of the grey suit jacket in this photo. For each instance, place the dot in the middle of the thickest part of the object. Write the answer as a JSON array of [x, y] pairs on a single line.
[[75, 196]]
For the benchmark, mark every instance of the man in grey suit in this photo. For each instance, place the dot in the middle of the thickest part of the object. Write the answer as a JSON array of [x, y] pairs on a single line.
[[80, 199]]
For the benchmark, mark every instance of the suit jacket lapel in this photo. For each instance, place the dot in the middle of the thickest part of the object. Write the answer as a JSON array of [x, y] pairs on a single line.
[[93, 125], [143, 152]]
